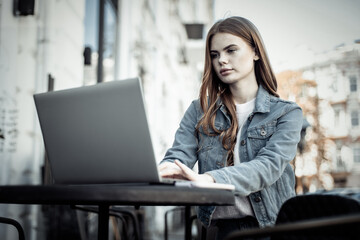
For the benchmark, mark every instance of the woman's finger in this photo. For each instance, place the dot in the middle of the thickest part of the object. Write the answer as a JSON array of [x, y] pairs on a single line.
[[187, 172], [170, 171], [167, 165]]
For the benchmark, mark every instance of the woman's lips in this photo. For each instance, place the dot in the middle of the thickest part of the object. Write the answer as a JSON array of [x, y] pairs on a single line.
[[225, 71]]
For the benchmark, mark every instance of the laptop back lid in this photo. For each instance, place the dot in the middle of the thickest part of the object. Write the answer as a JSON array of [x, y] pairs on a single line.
[[97, 134]]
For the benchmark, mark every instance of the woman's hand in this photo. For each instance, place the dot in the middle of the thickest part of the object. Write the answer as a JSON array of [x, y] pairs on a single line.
[[170, 170], [181, 171]]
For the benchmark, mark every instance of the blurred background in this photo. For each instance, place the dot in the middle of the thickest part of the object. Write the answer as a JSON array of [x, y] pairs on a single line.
[[46, 45]]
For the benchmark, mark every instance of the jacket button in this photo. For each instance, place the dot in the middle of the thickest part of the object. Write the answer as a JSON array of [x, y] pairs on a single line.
[[263, 132], [257, 199], [243, 142]]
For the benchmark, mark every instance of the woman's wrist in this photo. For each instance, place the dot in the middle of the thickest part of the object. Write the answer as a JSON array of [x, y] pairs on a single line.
[[209, 178]]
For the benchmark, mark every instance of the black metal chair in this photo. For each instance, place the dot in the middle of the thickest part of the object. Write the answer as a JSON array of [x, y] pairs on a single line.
[[123, 214], [202, 231], [16, 224], [311, 216]]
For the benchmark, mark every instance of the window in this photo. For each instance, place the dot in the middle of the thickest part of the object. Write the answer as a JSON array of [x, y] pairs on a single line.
[[334, 84], [100, 36], [354, 118], [337, 118], [357, 155], [353, 83]]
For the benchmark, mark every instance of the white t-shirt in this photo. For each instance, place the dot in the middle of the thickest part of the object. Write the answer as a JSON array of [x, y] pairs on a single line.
[[242, 207], [242, 113]]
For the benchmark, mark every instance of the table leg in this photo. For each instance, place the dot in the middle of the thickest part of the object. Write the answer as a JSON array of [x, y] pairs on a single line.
[[187, 223], [103, 222]]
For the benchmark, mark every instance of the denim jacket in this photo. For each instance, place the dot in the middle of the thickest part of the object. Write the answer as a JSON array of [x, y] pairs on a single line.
[[268, 142]]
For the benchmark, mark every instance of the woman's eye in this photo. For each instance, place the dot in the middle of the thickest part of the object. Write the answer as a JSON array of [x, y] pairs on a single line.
[[214, 55], [230, 50]]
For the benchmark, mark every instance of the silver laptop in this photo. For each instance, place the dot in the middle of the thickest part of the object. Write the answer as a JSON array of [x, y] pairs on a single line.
[[99, 134]]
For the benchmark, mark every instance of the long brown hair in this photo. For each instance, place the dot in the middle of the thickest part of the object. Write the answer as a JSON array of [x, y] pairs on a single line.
[[213, 89]]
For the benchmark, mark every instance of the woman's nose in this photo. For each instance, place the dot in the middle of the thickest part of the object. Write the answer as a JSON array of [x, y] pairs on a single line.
[[223, 59]]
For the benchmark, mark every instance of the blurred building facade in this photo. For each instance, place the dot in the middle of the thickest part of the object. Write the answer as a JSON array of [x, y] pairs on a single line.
[[328, 91], [162, 41], [337, 74], [34, 49]]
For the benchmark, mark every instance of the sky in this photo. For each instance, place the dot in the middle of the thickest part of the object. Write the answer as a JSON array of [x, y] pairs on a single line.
[[294, 29]]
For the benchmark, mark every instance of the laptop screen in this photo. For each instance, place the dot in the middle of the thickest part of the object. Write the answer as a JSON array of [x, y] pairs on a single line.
[[97, 134]]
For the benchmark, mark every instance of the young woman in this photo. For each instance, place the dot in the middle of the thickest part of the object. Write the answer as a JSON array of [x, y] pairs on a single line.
[[239, 131]]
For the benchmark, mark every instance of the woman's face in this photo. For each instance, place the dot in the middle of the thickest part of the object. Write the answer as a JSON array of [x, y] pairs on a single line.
[[232, 58]]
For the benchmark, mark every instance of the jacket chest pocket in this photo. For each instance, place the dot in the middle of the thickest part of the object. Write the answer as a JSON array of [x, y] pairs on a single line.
[[206, 142], [259, 136], [210, 150]]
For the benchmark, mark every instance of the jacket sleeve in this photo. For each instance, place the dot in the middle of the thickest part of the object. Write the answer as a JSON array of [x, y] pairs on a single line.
[[185, 144], [269, 163]]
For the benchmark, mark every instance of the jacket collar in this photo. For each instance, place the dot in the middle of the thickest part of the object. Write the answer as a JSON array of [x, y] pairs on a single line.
[[262, 103]]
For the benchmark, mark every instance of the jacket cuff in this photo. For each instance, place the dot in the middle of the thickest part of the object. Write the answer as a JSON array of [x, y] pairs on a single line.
[[219, 177]]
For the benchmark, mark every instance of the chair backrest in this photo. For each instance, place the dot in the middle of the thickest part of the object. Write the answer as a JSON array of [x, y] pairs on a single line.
[[305, 207], [319, 206], [311, 216]]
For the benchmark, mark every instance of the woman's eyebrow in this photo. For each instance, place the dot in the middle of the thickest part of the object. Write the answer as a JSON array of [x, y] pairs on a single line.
[[229, 46], [225, 48]]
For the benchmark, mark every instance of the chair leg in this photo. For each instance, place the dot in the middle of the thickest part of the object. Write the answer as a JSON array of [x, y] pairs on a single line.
[[203, 233], [16, 224], [166, 231], [118, 211]]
